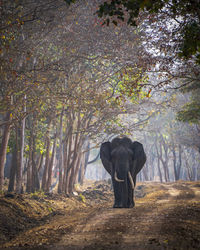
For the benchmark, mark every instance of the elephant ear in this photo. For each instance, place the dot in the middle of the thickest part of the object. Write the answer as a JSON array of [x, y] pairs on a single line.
[[105, 155], [139, 157]]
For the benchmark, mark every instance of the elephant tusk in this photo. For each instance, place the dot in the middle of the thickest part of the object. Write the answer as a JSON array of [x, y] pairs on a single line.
[[116, 178], [131, 180]]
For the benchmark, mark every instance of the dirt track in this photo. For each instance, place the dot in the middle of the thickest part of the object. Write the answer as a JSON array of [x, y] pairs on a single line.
[[167, 217]]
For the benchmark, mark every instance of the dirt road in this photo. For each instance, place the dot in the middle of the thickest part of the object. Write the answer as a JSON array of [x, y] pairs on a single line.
[[166, 216]]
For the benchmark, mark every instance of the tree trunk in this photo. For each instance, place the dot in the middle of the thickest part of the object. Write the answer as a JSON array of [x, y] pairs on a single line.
[[144, 171], [72, 174], [66, 187], [84, 162], [67, 156], [3, 148], [46, 166], [180, 161], [60, 161], [164, 162], [159, 171], [71, 181], [49, 180], [29, 174], [11, 184], [40, 162], [35, 176], [77, 168], [73, 164], [60, 166], [177, 165], [21, 133], [158, 161], [81, 170], [29, 166], [174, 162]]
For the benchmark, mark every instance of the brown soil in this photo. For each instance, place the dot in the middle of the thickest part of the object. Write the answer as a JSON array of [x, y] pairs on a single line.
[[166, 216]]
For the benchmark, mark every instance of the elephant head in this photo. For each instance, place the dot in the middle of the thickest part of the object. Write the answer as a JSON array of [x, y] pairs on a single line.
[[123, 159]]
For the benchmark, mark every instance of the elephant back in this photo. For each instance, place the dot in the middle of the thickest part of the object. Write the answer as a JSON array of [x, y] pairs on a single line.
[[125, 141]]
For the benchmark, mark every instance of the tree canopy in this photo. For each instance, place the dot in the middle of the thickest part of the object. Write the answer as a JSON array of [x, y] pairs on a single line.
[[68, 78], [185, 13], [181, 36]]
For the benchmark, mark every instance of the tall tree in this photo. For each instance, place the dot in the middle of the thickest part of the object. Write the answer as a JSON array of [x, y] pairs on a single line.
[[3, 147]]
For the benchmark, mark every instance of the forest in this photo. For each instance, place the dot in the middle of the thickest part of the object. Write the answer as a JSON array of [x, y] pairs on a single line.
[[78, 73], [71, 79]]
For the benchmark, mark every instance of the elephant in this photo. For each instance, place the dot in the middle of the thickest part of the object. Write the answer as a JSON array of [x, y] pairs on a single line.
[[123, 160]]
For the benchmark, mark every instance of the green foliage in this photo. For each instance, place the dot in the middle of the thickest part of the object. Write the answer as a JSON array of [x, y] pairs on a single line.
[[82, 197], [191, 41], [50, 209], [190, 112], [38, 194], [11, 142], [189, 10], [130, 85], [132, 7], [69, 1]]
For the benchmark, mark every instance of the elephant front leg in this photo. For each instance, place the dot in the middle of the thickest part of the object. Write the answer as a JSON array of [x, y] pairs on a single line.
[[117, 194], [131, 202]]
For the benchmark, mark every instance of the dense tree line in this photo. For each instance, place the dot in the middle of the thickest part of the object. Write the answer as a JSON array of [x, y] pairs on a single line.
[[172, 146], [67, 79], [170, 158], [64, 79]]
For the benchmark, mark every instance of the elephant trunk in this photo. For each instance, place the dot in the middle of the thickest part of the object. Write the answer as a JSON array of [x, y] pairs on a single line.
[[116, 178], [131, 180]]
